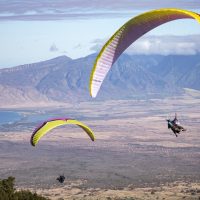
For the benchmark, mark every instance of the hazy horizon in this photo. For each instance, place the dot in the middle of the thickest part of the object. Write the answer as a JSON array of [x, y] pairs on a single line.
[[33, 31]]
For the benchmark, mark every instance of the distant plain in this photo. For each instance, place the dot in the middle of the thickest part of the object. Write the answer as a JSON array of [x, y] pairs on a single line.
[[133, 147]]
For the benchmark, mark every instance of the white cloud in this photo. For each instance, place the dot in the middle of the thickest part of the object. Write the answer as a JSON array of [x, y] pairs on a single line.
[[162, 45], [166, 45], [64, 9], [53, 48]]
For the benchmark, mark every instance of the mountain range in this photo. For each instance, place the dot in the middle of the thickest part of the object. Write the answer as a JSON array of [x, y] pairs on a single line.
[[63, 79]]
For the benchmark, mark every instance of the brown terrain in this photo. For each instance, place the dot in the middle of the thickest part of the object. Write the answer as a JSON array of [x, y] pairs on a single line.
[[134, 155]]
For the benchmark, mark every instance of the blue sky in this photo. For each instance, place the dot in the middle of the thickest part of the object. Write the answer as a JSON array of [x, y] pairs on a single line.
[[35, 30]]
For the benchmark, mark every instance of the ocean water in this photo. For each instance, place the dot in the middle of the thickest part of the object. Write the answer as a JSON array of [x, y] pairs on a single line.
[[9, 117], [29, 116]]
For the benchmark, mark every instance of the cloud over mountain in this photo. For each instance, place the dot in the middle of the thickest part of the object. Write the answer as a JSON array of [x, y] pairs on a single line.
[[53, 48], [160, 45], [64, 9]]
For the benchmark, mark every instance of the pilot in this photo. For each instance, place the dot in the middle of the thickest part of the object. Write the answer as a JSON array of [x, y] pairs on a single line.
[[61, 179]]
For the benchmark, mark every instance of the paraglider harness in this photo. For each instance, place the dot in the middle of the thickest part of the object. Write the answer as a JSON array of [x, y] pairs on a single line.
[[61, 179], [174, 126]]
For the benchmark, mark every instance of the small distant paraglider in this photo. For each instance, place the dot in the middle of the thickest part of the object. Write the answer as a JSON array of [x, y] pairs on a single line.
[[126, 35], [61, 179], [175, 126], [53, 123]]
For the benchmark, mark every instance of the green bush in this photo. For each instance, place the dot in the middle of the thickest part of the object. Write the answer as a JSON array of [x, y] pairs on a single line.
[[8, 192]]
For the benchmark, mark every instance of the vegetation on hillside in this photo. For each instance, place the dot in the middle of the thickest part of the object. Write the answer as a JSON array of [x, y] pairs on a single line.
[[8, 192]]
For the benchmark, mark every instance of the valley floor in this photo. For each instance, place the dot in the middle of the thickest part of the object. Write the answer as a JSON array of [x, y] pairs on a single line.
[[134, 155]]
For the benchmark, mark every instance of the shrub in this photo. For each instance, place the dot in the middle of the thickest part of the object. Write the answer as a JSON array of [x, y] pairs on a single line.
[[8, 192]]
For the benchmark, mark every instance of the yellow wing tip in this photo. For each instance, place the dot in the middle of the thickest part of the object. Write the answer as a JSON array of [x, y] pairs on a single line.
[[92, 137], [32, 143], [91, 91]]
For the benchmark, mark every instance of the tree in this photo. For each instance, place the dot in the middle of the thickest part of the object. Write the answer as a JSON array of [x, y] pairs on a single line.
[[8, 192]]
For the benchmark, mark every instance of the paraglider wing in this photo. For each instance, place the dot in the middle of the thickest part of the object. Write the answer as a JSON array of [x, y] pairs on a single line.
[[126, 35], [51, 124]]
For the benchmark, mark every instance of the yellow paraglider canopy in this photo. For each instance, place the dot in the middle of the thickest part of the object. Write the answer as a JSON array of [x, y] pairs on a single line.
[[126, 35], [51, 124]]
